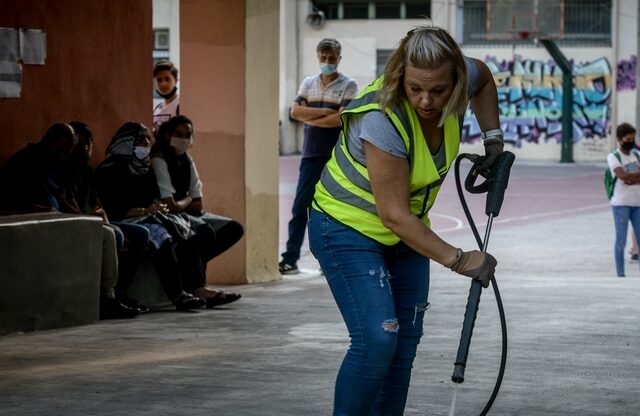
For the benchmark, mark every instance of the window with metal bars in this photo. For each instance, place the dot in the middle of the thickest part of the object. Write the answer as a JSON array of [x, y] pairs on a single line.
[[568, 22], [382, 56], [373, 9]]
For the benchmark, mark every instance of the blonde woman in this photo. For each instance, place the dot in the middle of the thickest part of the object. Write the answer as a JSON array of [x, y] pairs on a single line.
[[369, 226]]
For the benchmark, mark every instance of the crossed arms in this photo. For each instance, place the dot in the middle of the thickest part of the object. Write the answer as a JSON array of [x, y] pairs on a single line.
[[316, 116]]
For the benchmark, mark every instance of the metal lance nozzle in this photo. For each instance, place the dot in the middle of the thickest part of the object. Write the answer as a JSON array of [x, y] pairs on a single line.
[[495, 186]]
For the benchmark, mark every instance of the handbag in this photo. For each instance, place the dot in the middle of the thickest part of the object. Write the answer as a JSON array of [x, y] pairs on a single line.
[[178, 225]]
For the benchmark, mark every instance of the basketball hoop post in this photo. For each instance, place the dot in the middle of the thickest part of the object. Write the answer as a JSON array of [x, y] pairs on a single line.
[[567, 99], [525, 21]]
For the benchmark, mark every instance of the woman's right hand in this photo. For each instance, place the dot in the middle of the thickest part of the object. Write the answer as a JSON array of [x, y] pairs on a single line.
[[475, 264]]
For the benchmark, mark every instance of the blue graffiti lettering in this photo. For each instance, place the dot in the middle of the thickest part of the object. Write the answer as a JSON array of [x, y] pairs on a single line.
[[530, 100]]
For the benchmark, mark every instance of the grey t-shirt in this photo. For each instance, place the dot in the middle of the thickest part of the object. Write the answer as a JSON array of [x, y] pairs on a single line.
[[375, 128]]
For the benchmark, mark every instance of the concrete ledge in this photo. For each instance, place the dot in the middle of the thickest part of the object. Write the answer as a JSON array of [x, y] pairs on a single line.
[[50, 267], [146, 287]]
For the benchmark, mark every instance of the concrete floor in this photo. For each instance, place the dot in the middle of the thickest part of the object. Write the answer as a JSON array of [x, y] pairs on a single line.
[[573, 329]]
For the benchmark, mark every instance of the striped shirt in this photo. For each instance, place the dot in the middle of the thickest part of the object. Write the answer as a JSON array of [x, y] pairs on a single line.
[[319, 141]]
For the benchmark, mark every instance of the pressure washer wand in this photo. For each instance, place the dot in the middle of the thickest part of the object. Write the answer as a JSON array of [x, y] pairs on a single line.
[[495, 186], [473, 302]]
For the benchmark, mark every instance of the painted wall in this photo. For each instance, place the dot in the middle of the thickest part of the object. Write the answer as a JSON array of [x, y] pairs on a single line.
[[229, 87], [96, 70], [261, 151], [529, 82], [289, 64], [530, 100]]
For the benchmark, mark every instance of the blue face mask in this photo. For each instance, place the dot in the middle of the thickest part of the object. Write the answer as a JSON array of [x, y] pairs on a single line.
[[141, 152], [328, 69]]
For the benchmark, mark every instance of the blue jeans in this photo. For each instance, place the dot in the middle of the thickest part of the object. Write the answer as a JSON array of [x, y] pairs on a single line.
[[622, 214], [310, 171], [381, 292]]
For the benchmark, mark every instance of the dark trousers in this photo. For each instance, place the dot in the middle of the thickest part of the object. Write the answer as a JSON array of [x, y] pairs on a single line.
[[166, 264], [183, 266], [310, 171], [194, 253], [132, 241]]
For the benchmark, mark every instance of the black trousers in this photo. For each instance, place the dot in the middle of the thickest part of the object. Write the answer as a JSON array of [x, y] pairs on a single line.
[[183, 266], [194, 254]]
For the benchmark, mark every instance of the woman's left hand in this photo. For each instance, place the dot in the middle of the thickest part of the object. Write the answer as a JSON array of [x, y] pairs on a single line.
[[492, 150], [485, 107]]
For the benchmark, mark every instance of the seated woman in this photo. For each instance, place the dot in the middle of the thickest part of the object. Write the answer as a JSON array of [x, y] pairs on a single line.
[[129, 193], [131, 239], [181, 190]]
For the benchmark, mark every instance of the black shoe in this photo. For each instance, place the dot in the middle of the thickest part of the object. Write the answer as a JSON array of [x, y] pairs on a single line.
[[133, 304], [187, 301], [222, 298], [110, 308], [287, 268]]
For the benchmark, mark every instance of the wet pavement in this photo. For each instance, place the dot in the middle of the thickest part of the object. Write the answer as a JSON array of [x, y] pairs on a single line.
[[573, 328]]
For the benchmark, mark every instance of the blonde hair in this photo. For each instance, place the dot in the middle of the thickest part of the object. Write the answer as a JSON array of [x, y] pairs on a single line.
[[425, 47]]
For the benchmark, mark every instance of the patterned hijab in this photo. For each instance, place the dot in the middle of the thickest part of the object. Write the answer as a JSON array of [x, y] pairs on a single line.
[[122, 148]]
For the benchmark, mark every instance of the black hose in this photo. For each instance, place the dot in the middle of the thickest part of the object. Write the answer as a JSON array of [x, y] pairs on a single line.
[[503, 322]]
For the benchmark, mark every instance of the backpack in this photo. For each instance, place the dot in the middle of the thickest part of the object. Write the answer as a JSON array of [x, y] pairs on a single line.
[[610, 179]]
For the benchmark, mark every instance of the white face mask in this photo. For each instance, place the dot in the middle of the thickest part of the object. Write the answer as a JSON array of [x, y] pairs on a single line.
[[181, 145], [141, 152]]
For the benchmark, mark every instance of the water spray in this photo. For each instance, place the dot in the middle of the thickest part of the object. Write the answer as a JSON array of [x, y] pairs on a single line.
[[495, 186]]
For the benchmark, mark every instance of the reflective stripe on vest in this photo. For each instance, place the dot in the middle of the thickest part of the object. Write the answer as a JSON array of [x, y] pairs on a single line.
[[344, 190]]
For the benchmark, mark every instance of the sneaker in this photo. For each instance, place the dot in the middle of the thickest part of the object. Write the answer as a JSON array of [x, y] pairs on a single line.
[[286, 268]]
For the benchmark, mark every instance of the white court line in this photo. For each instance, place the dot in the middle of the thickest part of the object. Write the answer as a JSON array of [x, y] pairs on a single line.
[[523, 218], [459, 223]]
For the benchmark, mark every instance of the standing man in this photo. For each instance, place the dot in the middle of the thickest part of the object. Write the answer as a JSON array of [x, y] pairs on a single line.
[[320, 100]]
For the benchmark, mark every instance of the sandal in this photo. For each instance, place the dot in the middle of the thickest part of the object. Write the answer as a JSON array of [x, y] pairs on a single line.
[[222, 298], [187, 301]]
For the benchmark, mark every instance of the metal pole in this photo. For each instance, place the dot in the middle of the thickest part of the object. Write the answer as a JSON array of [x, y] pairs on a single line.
[[567, 99]]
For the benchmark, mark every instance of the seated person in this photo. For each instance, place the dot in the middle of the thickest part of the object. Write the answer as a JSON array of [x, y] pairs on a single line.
[[31, 179], [35, 180], [129, 192], [181, 189], [131, 239]]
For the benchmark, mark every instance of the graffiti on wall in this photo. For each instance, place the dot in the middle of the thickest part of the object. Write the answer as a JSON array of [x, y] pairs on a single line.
[[626, 74], [530, 100]]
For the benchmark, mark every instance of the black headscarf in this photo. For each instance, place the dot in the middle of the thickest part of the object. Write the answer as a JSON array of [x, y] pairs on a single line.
[[122, 148]]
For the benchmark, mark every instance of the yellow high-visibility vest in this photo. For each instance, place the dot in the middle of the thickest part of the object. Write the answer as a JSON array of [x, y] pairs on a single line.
[[344, 190]]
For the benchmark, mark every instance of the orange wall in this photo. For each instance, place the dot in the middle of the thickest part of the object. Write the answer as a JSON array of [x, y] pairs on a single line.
[[212, 94], [98, 69]]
